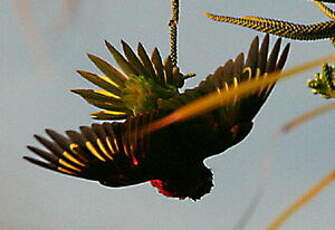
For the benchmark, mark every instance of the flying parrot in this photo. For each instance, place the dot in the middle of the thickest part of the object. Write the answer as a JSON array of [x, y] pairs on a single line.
[[119, 152]]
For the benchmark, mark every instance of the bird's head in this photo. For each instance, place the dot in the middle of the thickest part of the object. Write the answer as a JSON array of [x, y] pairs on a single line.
[[193, 183]]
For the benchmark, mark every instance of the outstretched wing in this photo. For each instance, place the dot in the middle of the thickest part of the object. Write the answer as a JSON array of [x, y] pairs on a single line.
[[235, 119], [111, 153], [133, 89]]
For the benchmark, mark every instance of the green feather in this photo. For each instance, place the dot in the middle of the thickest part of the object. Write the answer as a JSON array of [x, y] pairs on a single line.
[[141, 94]]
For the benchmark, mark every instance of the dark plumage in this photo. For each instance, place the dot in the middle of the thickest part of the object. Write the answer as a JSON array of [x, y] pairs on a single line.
[[119, 154]]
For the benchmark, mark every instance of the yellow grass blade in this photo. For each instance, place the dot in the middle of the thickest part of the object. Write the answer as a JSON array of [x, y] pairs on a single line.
[[222, 97], [307, 116], [309, 195]]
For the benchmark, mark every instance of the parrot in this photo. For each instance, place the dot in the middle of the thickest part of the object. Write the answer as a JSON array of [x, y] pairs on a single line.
[[117, 151]]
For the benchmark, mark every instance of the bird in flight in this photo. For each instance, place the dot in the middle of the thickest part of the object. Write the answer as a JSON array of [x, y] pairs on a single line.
[[119, 152]]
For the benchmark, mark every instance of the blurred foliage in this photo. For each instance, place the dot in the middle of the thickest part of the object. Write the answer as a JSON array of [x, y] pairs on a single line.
[[324, 82]]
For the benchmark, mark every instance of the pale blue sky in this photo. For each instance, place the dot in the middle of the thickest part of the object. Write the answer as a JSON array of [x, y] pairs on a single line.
[[35, 95]]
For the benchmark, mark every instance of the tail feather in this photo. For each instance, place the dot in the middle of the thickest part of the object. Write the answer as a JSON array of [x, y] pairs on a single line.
[[120, 85], [118, 77], [133, 59]]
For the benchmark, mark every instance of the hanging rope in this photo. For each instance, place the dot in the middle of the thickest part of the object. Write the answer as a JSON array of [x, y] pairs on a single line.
[[173, 31]]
